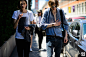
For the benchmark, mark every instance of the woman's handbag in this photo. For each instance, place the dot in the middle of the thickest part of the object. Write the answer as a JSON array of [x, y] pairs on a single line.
[[63, 32]]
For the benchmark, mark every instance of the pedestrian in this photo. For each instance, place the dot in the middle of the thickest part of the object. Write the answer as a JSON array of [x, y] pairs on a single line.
[[33, 36], [38, 28], [51, 22], [22, 19]]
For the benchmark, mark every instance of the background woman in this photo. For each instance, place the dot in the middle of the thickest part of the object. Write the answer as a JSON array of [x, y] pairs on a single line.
[[38, 30]]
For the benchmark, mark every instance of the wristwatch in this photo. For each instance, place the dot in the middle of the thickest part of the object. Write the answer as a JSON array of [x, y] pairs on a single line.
[[52, 25]]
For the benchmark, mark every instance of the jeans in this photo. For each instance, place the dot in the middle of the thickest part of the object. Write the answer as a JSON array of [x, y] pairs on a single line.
[[53, 43]]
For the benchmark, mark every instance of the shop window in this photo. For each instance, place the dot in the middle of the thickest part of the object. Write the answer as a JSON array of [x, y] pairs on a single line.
[[85, 7], [82, 8], [73, 8], [79, 8]]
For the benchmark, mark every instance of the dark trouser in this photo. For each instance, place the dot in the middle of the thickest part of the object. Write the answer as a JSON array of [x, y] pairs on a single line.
[[40, 35], [55, 43], [22, 45]]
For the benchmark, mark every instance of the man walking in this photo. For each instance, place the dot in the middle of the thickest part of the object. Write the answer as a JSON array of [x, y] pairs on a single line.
[[51, 22]]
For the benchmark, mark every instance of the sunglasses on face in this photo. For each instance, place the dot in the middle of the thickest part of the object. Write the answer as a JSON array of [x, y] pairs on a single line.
[[54, 6], [52, 3]]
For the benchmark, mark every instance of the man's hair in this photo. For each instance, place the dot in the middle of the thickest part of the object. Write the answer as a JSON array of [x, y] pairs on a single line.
[[19, 4], [52, 2]]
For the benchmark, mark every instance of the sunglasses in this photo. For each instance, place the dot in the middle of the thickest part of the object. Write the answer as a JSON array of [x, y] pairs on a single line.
[[52, 3], [54, 6]]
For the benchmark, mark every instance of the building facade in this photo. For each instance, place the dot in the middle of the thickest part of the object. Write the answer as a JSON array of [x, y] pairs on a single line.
[[73, 8]]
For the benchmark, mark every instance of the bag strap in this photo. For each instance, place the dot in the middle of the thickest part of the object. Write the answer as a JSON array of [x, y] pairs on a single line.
[[61, 15]]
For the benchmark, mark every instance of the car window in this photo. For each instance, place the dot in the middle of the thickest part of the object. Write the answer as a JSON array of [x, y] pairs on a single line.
[[77, 26], [71, 28], [69, 20], [84, 30], [77, 19]]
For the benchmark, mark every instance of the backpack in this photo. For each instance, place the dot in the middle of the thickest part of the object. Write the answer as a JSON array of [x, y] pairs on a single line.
[[63, 32]]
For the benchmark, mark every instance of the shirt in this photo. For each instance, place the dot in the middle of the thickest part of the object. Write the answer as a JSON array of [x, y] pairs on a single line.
[[38, 21], [48, 18], [29, 17]]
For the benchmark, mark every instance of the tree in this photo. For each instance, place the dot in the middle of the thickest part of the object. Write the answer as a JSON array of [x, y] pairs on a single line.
[[6, 23]]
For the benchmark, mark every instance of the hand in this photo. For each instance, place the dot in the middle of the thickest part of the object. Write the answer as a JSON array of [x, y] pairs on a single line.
[[20, 15], [27, 28], [65, 40], [57, 23]]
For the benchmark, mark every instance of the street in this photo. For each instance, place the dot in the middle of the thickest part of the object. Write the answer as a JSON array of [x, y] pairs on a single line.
[[35, 52], [48, 14]]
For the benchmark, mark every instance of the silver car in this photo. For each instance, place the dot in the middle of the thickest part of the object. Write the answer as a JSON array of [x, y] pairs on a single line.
[[77, 39]]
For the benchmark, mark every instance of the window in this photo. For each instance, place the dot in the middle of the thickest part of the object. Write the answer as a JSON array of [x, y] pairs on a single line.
[[84, 30], [79, 8], [77, 26], [71, 28], [69, 20], [73, 8], [85, 7], [82, 8]]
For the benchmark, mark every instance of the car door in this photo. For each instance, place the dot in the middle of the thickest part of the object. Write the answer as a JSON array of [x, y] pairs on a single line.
[[74, 33]]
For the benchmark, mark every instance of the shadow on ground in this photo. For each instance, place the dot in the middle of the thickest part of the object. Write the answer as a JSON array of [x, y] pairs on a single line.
[[34, 53]]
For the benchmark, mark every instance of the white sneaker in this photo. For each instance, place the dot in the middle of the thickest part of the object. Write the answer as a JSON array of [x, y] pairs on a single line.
[[31, 50], [40, 49]]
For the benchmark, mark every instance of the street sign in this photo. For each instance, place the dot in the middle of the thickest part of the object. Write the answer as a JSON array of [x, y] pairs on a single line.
[[36, 4]]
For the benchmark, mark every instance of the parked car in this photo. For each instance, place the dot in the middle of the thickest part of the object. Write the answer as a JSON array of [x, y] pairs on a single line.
[[71, 19], [77, 39], [83, 16]]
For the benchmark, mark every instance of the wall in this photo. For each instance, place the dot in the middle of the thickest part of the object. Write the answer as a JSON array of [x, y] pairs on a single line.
[[7, 48]]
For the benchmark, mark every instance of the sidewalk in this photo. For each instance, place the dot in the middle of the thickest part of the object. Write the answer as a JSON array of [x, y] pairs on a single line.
[[35, 52]]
